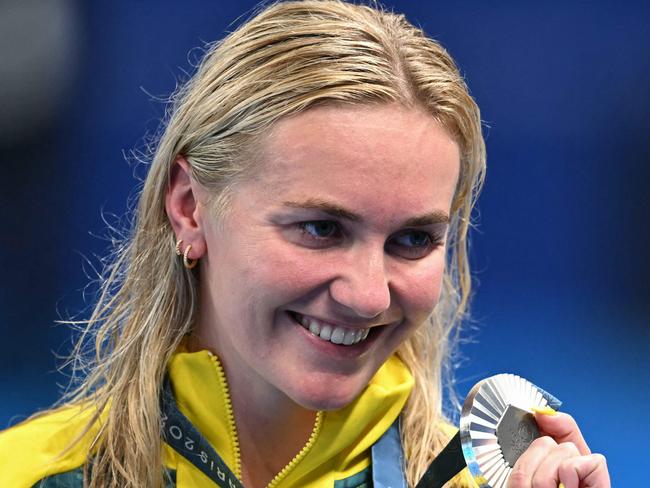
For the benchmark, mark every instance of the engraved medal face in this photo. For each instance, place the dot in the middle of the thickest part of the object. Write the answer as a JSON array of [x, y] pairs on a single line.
[[515, 431], [496, 426]]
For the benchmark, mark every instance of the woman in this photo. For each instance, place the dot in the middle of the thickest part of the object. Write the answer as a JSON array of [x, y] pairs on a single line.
[[295, 276]]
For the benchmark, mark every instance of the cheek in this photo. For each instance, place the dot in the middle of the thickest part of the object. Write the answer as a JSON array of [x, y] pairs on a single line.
[[281, 274], [420, 289]]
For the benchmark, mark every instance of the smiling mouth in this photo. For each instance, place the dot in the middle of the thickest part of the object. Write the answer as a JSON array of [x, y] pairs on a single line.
[[335, 334]]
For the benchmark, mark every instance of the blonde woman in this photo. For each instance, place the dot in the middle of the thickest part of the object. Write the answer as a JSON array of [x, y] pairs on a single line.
[[294, 278]]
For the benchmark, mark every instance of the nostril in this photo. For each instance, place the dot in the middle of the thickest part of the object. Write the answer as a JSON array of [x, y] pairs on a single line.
[[364, 300]]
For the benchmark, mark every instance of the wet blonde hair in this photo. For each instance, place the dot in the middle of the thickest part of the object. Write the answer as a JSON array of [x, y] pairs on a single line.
[[288, 58]]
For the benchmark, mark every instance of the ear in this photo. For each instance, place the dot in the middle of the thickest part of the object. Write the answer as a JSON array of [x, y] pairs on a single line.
[[184, 208]]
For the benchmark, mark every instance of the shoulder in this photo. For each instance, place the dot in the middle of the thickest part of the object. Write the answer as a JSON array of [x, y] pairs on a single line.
[[35, 450]]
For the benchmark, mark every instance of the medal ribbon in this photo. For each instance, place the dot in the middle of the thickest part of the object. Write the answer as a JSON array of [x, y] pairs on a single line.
[[185, 439]]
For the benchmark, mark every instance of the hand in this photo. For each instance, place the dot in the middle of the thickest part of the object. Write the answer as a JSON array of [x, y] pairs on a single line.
[[561, 455]]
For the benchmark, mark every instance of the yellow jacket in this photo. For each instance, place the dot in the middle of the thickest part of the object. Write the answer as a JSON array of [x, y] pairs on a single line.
[[336, 455]]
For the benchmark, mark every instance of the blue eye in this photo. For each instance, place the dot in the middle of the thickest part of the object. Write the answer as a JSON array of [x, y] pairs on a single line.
[[414, 239], [412, 244], [320, 229]]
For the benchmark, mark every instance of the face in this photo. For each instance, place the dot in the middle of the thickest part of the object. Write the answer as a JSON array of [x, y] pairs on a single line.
[[331, 254]]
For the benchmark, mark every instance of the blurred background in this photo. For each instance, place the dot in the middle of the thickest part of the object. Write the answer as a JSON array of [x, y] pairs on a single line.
[[562, 236]]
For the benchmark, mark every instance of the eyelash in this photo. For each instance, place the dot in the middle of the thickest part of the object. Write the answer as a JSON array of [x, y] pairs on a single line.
[[407, 252], [304, 225]]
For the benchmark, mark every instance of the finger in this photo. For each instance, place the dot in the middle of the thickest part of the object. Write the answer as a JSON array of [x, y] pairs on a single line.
[[547, 474], [529, 461], [563, 428], [588, 471]]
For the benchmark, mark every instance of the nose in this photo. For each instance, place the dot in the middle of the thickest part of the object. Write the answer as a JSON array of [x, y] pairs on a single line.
[[362, 284]]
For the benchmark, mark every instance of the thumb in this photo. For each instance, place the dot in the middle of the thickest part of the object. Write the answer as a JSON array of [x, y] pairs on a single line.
[[562, 427]]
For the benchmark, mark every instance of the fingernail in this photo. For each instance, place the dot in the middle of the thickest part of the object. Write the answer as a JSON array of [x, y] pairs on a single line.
[[544, 410]]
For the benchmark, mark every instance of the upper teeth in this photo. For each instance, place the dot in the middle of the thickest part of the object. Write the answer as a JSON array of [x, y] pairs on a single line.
[[333, 333]]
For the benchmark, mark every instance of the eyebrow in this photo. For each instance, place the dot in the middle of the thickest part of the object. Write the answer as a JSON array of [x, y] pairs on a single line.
[[434, 217]]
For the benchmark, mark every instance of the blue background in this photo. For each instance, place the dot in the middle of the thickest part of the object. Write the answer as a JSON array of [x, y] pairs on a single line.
[[562, 239]]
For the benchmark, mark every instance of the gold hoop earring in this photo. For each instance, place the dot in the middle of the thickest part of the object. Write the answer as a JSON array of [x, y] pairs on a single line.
[[189, 263]]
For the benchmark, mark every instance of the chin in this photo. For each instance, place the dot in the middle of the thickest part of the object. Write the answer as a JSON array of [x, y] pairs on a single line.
[[328, 396], [326, 404]]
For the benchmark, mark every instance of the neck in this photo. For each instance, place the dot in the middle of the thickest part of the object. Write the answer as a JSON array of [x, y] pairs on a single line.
[[269, 437], [271, 428]]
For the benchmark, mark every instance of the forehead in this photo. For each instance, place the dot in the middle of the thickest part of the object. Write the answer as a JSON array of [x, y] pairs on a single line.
[[357, 152], [387, 138]]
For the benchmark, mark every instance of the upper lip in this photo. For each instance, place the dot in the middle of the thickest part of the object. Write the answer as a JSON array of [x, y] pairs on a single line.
[[338, 323]]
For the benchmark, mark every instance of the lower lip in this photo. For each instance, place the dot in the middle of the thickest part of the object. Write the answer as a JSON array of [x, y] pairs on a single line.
[[338, 350]]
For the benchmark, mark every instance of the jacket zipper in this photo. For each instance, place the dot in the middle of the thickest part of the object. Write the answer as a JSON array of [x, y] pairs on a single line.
[[303, 452], [230, 414], [234, 440]]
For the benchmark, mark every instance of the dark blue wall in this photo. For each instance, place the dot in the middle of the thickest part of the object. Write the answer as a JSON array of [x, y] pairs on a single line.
[[562, 233]]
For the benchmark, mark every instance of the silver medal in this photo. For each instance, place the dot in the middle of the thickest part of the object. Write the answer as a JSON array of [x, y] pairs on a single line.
[[497, 426]]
